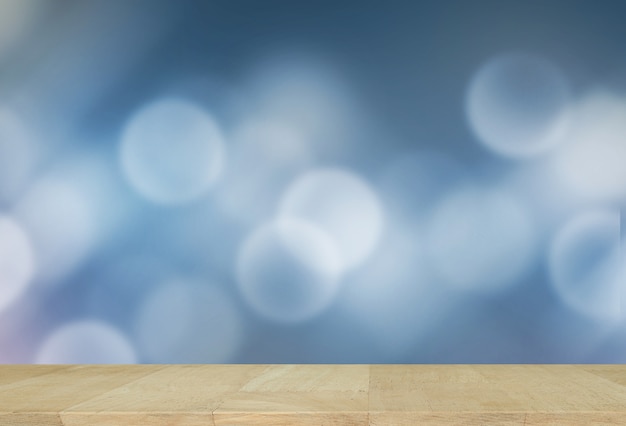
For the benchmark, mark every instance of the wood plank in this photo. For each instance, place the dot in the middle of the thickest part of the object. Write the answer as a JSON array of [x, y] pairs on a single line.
[[156, 395], [178, 394], [40, 399], [484, 394], [18, 372], [608, 372], [300, 394]]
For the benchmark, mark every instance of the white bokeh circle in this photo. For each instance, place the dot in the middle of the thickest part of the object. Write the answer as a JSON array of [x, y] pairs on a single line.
[[518, 105], [392, 297], [591, 165], [480, 240], [288, 270], [309, 94], [343, 205], [86, 342], [61, 224], [586, 264], [17, 261], [172, 151], [265, 155]]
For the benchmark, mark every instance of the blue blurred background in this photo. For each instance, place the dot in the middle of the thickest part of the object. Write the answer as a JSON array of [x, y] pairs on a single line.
[[312, 182]]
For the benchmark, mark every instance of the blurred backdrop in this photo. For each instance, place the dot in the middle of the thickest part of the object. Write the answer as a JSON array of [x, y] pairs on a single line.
[[312, 181]]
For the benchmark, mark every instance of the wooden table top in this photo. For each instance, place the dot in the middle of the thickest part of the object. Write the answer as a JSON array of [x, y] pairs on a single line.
[[326, 394]]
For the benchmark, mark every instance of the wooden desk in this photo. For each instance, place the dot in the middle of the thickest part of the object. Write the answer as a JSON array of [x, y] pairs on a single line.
[[149, 395]]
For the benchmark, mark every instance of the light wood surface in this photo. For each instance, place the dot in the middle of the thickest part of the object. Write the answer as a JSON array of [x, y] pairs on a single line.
[[81, 395]]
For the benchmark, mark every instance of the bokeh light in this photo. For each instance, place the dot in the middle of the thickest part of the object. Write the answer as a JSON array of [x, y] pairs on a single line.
[[61, 225], [288, 270], [591, 165], [264, 157], [480, 239], [86, 342], [17, 261], [391, 296], [586, 264], [343, 205], [172, 151], [518, 105], [423, 182], [188, 321], [307, 91], [95, 178]]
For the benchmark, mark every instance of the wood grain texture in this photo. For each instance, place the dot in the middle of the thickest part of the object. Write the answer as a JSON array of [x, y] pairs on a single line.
[[154, 395], [300, 394]]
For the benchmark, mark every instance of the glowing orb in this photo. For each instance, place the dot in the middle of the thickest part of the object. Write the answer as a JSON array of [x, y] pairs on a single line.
[[17, 261], [480, 240], [343, 205], [86, 342], [172, 151], [517, 105], [288, 271], [586, 265]]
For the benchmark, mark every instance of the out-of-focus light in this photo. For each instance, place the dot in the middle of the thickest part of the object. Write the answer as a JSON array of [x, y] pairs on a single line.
[[343, 205], [18, 154], [228, 102], [392, 296], [586, 265], [103, 190], [172, 151], [86, 342], [61, 226], [185, 321], [518, 105], [534, 182], [17, 262], [16, 17], [288, 270], [309, 94], [264, 157], [413, 182], [592, 164], [480, 240]]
